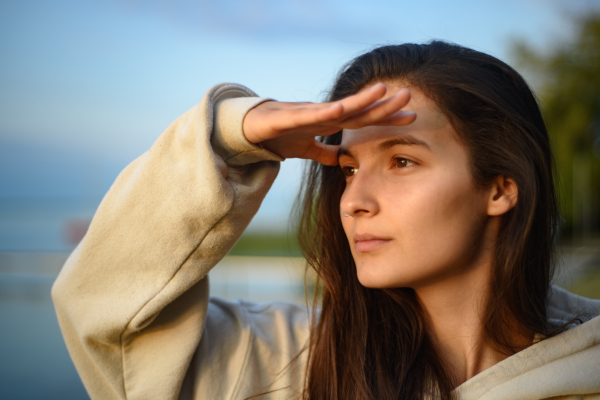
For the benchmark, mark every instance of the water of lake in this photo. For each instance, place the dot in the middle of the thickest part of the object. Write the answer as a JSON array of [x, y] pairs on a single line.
[[34, 362]]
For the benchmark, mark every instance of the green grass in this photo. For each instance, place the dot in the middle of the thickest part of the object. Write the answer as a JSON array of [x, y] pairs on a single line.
[[588, 286], [266, 244], [285, 245]]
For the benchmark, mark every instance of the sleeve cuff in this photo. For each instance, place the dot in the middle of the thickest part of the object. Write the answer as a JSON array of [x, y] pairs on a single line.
[[228, 140]]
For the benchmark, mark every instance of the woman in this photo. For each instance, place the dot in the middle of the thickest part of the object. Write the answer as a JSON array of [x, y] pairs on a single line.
[[433, 239]]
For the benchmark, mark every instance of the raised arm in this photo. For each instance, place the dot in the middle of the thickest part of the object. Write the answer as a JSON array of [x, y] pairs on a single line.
[[170, 216]]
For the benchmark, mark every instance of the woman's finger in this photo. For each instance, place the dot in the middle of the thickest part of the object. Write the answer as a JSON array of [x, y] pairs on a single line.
[[379, 111], [362, 100], [398, 118], [308, 116], [326, 154]]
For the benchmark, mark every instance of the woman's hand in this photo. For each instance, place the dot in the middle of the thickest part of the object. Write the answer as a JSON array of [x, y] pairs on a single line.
[[290, 129]]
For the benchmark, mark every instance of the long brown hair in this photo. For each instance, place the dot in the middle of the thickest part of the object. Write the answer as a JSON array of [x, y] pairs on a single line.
[[373, 343]]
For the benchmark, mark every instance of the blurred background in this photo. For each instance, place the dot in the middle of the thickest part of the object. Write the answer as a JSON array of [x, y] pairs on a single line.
[[87, 86]]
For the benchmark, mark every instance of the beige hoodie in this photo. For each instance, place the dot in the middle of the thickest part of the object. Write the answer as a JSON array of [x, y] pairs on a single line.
[[133, 298]]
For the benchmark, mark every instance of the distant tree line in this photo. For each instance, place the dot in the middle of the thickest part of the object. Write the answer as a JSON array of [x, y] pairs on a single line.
[[569, 92]]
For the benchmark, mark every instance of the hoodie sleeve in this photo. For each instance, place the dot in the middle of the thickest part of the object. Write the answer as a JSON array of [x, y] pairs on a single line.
[[132, 298]]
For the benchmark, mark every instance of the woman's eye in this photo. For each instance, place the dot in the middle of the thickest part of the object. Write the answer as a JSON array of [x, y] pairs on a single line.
[[349, 171], [402, 162]]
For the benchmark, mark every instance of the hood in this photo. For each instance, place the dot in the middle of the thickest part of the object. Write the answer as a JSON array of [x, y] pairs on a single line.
[[564, 365]]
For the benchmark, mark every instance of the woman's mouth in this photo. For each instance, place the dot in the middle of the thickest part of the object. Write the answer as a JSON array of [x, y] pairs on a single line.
[[364, 242]]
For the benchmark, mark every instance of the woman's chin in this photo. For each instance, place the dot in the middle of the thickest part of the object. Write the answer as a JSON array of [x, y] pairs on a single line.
[[370, 277]]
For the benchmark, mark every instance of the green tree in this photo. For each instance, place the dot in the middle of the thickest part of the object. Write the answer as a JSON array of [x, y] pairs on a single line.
[[569, 93]]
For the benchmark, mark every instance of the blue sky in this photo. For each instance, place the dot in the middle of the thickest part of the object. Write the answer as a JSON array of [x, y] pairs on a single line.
[[86, 86]]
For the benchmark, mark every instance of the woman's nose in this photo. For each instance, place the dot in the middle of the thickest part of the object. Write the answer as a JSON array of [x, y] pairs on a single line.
[[359, 198]]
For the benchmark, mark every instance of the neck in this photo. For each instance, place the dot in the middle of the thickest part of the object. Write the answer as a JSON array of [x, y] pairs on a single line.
[[454, 309], [454, 313]]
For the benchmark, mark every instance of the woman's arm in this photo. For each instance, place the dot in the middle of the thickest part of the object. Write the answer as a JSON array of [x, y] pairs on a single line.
[[170, 216]]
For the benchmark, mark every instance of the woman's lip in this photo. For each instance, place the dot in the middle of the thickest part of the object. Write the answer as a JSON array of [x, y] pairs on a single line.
[[369, 245]]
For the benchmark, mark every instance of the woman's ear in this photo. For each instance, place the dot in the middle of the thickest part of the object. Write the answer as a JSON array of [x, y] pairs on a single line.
[[503, 195]]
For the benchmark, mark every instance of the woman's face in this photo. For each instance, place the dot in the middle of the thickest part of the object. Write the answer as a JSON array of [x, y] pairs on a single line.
[[415, 217]]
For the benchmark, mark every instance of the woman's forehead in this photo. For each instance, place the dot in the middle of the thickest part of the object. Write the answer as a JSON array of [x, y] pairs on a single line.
[[431, 125]]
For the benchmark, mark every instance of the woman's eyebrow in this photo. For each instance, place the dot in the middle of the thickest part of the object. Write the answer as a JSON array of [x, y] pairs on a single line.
[[405, 140], [342, 151]]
